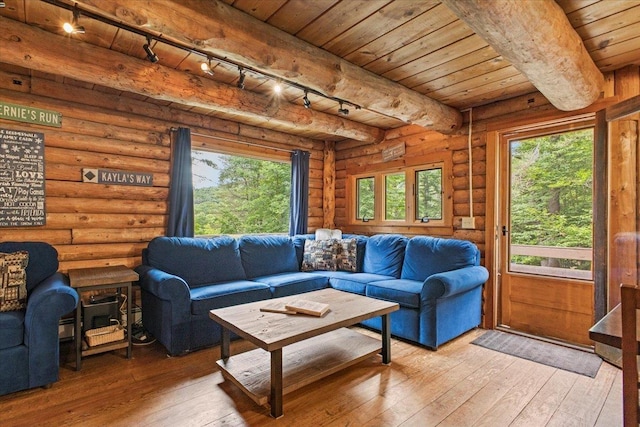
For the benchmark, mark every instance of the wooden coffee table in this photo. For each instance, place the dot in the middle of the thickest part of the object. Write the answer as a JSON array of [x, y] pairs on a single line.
[[303, 348]]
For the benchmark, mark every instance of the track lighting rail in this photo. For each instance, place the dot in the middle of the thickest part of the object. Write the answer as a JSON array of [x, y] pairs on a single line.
[[208, 56]]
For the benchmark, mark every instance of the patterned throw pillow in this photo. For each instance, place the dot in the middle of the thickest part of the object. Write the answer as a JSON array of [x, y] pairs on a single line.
[[318, 255], [346, 254], [13, 279]]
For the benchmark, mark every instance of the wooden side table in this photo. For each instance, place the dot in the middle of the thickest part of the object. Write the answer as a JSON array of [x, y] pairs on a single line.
[[92, 279]]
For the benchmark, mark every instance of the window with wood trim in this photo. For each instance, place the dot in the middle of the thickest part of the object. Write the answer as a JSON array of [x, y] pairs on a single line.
[[409, 196], [239, 195]]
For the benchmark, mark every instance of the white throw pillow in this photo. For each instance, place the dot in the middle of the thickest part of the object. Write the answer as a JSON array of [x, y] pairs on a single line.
[[328, 234]]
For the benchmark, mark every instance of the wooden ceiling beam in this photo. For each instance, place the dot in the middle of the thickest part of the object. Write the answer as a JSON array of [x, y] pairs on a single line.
[[537, 39], [32, 48], [224, 31]]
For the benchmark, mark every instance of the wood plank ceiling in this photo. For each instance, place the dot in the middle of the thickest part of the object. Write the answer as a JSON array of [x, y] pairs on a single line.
[[419, 44]]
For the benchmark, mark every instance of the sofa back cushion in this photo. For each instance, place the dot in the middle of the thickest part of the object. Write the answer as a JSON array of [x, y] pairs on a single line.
[[384, 254], [43, 260], [299, 242], [430, 255], [198, 261], [267, 255]]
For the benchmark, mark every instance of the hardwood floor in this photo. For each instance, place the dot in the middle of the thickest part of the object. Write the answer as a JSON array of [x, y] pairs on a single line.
[[461, 384]]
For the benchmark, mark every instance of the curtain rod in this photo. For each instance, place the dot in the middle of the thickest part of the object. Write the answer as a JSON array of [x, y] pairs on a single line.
[[253, 144]]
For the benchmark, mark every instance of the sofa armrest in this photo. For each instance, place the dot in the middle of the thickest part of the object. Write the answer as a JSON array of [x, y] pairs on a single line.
[[453, 282], [163, 285]]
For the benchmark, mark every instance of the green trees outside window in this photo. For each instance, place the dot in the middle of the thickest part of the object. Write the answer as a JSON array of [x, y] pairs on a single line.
[[365, 198], [552, 195], [429, 194], [394, 194], [239, 195]]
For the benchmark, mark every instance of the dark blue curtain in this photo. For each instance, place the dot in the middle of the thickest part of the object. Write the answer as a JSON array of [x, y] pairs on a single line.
[[298, 213], [181, 188]]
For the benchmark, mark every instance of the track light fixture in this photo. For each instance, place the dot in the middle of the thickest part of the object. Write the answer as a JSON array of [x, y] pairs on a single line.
[[73, 27], [241, 78], [206, 67], [305, 99], [150, 55], [342, 110]]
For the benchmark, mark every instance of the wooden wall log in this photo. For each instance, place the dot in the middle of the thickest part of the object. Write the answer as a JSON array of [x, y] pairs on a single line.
[[36, 234], [92, 205], [100, 160], [99, 251], [130, 262], [95, 220], [103, 191], [114, 235]]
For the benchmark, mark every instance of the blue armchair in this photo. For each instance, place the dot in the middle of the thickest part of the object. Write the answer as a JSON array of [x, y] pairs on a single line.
[[29, 343]]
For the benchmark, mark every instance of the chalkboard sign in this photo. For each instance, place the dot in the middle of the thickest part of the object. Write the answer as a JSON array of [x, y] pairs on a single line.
[[21, 178]]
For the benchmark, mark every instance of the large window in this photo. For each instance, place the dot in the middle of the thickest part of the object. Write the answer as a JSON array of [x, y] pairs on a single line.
[[419, 195], [239, 195]]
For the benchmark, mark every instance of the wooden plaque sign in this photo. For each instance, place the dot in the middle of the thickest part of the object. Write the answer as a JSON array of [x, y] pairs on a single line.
[[393, 152], [113, 177], [22, 198]]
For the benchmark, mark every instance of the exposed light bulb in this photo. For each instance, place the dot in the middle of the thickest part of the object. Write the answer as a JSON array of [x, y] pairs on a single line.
[[206, 67], [277, 88], [73, 27]]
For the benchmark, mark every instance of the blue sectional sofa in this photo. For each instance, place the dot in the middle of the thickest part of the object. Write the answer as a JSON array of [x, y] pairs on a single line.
[[437, 283]]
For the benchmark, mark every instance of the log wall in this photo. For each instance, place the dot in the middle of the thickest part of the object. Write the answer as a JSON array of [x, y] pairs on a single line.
[[95, 225]]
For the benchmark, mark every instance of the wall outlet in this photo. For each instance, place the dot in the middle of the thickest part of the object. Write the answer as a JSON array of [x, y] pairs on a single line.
[[469, 222]]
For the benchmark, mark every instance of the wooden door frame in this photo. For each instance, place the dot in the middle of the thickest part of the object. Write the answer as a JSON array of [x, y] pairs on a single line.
[[493, 132]]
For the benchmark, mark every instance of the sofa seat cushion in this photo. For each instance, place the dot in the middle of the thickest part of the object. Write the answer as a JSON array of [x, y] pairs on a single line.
[[384, 254], [196, 260], [205, 298], [11, 328], [404, 292], [268, 255], [352, 282], [285, 284]]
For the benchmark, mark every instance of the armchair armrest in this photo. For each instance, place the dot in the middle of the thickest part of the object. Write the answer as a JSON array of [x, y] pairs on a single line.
[[163, 285], [47, 302], [453, 282]]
